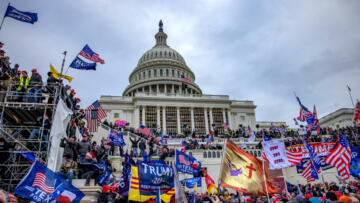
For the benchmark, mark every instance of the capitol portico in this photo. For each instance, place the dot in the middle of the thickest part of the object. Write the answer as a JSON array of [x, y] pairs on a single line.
[[157, 97]]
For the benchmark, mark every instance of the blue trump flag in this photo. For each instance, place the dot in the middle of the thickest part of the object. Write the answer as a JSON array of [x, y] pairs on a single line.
[[126, 175], [43, 185], [313, 157], [191, 182], [153, 175], [355, 162], [26, 17], [79, 63], [86, 59], [186, 164], [117, 138]]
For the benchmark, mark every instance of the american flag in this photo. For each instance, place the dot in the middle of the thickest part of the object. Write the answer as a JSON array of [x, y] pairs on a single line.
[[226, 125], [93, 114], [309, 173], [144, 130], [304, 112], [294, 157], [89, 54], [185, 79], [39, 181], [340, 157]]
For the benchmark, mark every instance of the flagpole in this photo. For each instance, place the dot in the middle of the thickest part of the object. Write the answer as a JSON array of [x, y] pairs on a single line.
[[63, 63], [222, 161], [2, 22], [282, 171], [352, 101], [266, 188]]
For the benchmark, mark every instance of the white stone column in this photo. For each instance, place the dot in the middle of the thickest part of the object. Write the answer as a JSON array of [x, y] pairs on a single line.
[[211, 119], [192, 119], [172, 89], [206, 121], [165, 89], [164, 119], [224, 116], [143, 115], [158, 124], [180, 91], [178, 119], [229, 119], [136, 123], [157, 89], [150, 89]]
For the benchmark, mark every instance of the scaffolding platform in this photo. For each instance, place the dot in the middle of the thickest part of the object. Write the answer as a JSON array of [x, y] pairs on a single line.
[[23, 127]]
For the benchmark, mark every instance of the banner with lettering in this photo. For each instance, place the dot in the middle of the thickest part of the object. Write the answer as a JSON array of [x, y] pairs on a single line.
[[324, 166], [355, 162], [322, 149], [276, 154], [153, 175], [191, 182], [186, 164]]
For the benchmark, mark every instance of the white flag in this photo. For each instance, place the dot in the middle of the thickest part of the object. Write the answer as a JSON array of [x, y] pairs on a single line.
[[276, 154], [58, 131], [252, 137]]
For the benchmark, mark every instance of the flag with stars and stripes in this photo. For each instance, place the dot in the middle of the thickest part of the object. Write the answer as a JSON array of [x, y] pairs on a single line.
[[294, 157], [309, 173], [340, 157], [93, 114]]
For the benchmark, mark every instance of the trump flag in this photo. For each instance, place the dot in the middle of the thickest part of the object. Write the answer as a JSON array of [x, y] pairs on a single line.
[[86, 59], [22, 16], [186, 164], [43, 185]]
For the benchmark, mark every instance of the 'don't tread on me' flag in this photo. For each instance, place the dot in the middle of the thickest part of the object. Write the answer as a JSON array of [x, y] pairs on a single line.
[[22, 16]]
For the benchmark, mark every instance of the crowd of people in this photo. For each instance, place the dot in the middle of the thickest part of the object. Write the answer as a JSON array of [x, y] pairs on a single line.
[[81, 154]]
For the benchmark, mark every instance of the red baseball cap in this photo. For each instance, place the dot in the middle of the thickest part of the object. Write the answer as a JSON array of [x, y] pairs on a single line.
[[34, 70]]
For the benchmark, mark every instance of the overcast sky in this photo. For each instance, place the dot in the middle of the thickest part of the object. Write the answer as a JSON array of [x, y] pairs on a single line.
[[251, 50]]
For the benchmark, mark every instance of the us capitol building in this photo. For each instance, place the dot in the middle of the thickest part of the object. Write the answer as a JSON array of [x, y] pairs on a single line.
[[156, 97]]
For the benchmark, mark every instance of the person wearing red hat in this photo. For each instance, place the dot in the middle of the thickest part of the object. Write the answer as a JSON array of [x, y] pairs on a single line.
[[88, 172], [35, 87]]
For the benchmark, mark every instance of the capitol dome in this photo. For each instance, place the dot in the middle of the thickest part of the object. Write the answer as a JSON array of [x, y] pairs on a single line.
[[160, 70]]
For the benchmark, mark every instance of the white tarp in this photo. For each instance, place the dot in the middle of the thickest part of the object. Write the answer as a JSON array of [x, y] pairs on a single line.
[[58, 131], [276, 154]]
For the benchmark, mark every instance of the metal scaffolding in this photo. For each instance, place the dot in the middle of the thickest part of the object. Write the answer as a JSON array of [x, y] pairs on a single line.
[[22, 125]]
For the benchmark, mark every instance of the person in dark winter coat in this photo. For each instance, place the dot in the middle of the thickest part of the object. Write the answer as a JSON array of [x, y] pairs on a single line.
[[35, 87], [70, 147]]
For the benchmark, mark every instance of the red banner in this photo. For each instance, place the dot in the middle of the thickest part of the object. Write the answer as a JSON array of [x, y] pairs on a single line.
[[322, 149]]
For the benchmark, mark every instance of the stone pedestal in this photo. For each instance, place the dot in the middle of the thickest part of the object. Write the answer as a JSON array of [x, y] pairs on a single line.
[[116, 163], [91, 193], [116, 151]]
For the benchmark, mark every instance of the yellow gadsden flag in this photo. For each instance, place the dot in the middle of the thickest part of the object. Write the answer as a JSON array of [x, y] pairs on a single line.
[[57, 75], [242, 171]]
